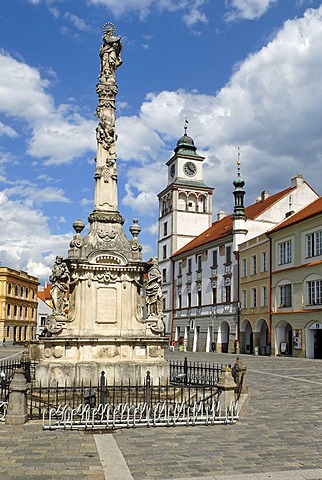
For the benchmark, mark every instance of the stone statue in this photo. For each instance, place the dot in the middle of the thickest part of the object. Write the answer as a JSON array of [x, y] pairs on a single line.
[[154, 290], [110, 53], [60, 279]]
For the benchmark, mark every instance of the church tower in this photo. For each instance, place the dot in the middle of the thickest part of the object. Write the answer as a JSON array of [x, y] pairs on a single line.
[[185, 210]]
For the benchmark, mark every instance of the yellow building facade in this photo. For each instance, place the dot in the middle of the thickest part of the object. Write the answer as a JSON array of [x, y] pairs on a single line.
[[18, 299], [254, 296]]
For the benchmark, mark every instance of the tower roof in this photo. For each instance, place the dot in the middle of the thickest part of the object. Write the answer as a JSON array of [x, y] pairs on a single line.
[[186, 146]]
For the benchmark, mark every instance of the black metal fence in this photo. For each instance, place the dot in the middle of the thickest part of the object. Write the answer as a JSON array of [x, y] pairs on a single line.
[[7, 369], [42, 398], [194, 373]]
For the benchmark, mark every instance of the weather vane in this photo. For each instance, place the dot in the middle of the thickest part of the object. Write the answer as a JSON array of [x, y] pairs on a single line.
[[185, 126]]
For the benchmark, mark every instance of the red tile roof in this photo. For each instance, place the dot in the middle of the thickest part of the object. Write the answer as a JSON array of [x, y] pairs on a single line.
[[314, 208], [224, 227]]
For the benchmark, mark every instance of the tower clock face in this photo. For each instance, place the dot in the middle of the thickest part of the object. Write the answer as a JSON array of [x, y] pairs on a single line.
[[190, 169], [172, 170]]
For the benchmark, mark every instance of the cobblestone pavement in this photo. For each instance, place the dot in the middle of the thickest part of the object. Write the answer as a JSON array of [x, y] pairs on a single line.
[[278, 437]]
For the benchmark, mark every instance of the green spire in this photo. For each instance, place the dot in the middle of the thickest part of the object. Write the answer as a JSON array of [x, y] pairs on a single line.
[[239, 192]]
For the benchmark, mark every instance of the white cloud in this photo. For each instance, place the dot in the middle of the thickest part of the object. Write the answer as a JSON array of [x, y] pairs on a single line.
[[58, 134], [26, 242], [7, 130], [248, 9], [192, 8], [271, 108], [35, 195]]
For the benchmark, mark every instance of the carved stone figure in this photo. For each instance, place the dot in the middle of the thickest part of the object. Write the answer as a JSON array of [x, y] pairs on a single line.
[[59, 278], [154, 290], [110, 53]]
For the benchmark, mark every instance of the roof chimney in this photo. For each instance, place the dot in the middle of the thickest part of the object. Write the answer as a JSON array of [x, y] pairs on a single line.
[[221, 214], [297, 180], [264, 195]]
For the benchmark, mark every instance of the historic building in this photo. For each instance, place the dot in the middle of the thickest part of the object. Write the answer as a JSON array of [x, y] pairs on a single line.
[[185, 210], [201, 279], [254, 296], [296, 246], [18, 297]]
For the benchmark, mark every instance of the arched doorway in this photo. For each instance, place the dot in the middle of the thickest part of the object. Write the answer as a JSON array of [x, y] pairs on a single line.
[[313, 340], [223, 337], [261, 337], [283, 338], [246, 337]]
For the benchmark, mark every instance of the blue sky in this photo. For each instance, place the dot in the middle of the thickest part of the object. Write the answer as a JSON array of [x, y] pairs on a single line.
[[244, 73]]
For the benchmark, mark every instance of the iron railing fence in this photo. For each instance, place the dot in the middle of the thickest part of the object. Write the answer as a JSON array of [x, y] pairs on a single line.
[[7, 370], [194, 373], [43, 398]]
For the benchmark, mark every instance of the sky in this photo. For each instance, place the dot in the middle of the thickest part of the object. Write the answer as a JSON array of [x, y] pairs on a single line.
[[244, 73]]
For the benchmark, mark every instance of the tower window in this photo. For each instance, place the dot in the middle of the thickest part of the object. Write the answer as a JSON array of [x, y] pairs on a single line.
[[165, 228], [164, 252], [164, 275]]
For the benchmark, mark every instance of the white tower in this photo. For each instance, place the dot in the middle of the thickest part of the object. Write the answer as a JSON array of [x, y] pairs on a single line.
[[185, 210]]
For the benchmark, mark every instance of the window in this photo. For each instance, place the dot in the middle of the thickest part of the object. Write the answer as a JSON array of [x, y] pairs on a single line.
[[21, 291], [228, 254], [164, 275], [244, 267], [179, 300], [8, 309], [314, 244], [33, 294], [189, 266], [215, 258], [244, 299], [9, 288], [26, 313], [254, 264], [199, 293], [286, 295], [264, 261], [285, 252], [253, 292], [15, 311], [165, 229], [314, 292], [20, 312], [189, 299], [27, 292], [16, 291], [226, 294], [42, 321], [164, 252], [264, 296], [214, 295], [199, 266], [180, 269]]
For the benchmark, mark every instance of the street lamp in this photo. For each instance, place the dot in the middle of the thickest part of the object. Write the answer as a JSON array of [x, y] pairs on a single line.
[[213, 314]]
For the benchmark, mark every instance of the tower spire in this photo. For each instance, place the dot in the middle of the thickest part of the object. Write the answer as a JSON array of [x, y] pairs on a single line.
[[239, 192]]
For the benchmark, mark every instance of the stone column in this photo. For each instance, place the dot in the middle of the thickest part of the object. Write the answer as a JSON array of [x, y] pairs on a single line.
[[17, 405], [227, 387]]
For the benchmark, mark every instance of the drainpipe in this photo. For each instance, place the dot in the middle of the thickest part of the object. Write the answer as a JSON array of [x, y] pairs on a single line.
[[270, 292]]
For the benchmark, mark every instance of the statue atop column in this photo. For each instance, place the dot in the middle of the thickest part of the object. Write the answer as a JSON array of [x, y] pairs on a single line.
[[110, 53]]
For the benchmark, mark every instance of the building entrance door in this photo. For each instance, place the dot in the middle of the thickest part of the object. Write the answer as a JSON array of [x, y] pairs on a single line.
[[317, 343]]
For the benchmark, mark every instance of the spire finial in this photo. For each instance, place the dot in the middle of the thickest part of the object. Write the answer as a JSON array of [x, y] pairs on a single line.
[[238, 161], [185, 126]]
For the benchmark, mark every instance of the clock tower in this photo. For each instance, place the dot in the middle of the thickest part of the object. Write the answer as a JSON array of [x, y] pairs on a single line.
[[185, 210]]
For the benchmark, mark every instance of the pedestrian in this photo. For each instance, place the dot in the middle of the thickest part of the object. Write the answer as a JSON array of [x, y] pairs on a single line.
[[4, 342], [172, 346]]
